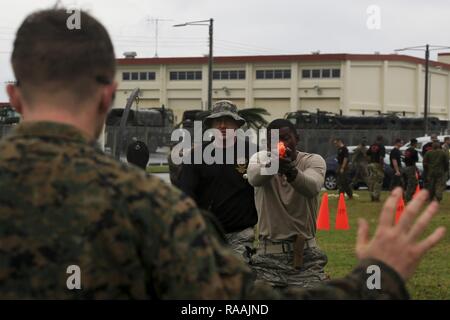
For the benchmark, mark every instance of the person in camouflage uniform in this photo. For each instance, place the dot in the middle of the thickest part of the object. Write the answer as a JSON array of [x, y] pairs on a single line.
[[376, 155], [359, 164], [66, 203], [411, 157], [435, 163]]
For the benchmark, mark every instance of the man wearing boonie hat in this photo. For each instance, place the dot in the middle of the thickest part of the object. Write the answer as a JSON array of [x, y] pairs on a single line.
[[223, 189]]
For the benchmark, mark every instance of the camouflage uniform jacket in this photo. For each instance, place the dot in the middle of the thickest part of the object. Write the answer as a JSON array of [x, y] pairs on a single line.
[[436, 161], [63, 202]]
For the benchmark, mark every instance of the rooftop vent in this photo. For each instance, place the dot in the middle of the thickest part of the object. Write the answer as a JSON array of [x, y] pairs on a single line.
[[130, 54]]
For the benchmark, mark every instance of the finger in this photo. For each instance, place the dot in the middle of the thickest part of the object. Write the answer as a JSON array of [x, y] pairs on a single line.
[[432, 240], [362, 237], [411, 210], [390, 205], [423, 221]]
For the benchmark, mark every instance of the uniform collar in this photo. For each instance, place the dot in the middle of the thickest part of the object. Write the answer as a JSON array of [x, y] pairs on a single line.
[[48, 129]]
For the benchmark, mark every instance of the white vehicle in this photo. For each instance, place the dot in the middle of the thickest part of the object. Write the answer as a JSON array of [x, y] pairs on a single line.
[[421, 141]]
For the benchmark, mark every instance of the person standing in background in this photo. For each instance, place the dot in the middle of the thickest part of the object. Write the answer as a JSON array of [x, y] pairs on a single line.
[[343, 165], [376, 155], [396, 164], [411, 157]]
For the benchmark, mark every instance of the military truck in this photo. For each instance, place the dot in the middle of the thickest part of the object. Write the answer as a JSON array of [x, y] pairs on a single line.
[[153, 126], [8, 115]]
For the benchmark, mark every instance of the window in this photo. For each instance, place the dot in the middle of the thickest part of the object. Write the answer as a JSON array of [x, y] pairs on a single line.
[[273, 74], [190, 75], [316, 73], [229, 75], [321, 73], [186, 75], [143, 75], [336, 73], [306, 73], [260, 74], [269, 74], [135, 76]]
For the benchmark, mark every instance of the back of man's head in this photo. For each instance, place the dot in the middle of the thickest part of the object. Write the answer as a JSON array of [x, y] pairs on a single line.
[[436, 145], [49, 57]]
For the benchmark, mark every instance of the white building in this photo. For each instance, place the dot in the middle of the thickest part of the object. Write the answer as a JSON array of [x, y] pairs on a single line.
[[349, 83]]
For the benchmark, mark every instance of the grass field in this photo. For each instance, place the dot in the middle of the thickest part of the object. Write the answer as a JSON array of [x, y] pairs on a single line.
[[158, 168], [432, 278]]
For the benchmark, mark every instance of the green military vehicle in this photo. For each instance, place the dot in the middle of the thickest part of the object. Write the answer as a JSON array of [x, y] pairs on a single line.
[[153, 126], [8, 115]]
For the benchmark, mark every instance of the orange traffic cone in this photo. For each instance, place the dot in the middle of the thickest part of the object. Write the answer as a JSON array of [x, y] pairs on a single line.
[[341, 216], [400, 208], [323, 220]]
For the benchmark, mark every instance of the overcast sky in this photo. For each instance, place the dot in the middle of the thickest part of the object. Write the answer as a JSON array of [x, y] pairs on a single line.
[[249, 27]]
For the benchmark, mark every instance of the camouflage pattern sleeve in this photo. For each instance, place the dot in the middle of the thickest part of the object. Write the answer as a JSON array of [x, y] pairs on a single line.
[[192, 262], [187, 260]]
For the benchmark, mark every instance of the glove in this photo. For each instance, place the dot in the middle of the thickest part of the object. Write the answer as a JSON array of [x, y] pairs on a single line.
[[288, 168]]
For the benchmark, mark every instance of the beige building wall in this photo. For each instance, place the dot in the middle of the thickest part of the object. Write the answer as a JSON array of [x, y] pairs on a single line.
[[364, 86]]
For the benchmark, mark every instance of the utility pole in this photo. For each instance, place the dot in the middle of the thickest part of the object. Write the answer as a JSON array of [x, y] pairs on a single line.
[[210, 63], [209, 23], [425, 103], [427, 48]]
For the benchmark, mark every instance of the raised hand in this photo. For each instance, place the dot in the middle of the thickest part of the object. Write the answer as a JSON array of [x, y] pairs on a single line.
[[398, 245]]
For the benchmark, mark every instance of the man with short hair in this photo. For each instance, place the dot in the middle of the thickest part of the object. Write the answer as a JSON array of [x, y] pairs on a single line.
[[65, 203], [287, 205], [376, 154], [222, 188], [396, 164], [67, 206], [411, 157], [342, 170]]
